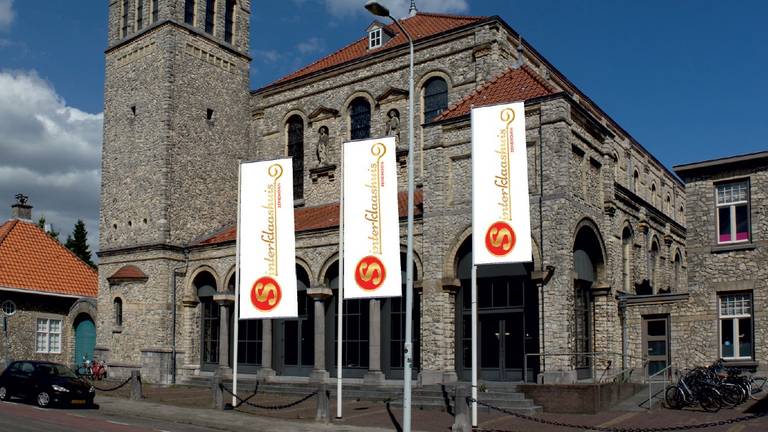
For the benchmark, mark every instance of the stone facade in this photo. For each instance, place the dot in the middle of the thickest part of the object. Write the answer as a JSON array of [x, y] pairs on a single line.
[[169, 176], [720, 269], [22, 326]]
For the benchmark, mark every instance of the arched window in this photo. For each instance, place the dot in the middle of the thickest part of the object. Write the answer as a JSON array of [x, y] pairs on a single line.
[[668, 204], [653, 264], [677, 272], [126, 10], [210, 15], [229, 21], [626, 259], [155, 6], [139, 14], [189, 12], [636, 182], [296, 151], [435, 98], [653, 195], [118, 307], [360, 118]]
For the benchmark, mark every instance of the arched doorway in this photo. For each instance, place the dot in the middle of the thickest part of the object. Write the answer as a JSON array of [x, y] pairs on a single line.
[[296, 337], [508, 319], [393, 329], [210, 315], [85, 338], [587, 263]]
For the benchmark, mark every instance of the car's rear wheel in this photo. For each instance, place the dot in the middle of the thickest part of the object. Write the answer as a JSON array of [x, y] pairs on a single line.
[[4, 395], [43, 399]]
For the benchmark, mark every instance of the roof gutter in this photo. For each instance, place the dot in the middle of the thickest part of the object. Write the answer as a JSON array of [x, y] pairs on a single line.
[[44, 293]]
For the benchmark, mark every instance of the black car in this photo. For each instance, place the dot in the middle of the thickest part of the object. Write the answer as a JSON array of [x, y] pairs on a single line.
[[46, 383]]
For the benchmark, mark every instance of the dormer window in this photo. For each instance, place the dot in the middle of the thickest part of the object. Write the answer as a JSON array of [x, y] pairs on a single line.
[[374, 38]]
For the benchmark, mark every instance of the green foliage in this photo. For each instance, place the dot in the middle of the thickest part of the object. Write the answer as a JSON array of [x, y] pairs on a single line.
[[77, 242], [53, 233]]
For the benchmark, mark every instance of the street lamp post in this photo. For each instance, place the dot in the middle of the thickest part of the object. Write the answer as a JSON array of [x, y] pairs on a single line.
[[379, 10]]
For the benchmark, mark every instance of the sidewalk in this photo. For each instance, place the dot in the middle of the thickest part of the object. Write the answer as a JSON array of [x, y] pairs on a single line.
[[206, 417], [191, 405]]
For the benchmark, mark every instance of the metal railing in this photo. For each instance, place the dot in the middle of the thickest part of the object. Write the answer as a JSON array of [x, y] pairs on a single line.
[[666, 379], [606, 357]]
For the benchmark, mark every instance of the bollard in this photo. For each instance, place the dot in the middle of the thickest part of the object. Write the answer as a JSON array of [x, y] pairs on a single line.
[[462, 421], [136, 393], [323, 404], [218, 393]]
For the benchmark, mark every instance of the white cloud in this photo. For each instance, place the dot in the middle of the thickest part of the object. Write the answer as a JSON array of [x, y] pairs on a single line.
[[6, 14], [312, 45], [266, 56], [398, 8], [50, 152]]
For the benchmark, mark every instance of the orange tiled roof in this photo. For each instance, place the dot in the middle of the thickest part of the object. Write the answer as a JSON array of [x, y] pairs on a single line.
[[421, 26], [314, 218], [31, 260], [513, 85]]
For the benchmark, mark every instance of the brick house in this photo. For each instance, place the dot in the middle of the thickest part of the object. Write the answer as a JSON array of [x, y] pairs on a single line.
[[48, 295], [607, 216]]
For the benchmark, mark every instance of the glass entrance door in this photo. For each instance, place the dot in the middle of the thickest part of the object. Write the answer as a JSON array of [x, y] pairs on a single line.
[[298, 340], [656, 342], [501, 346]]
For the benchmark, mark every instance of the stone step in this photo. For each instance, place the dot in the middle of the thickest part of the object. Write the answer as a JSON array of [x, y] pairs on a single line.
[[430, 397]]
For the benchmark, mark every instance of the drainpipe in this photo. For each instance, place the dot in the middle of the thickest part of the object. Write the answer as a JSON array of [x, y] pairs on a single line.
[[173, 325], [542, 359], [622, 298]]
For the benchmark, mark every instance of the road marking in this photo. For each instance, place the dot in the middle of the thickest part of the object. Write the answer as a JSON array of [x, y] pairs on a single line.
[[736, 428], [118, 423]]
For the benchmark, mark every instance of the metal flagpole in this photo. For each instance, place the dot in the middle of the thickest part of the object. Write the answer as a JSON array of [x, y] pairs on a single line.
[[409, 253], [474, 342], [340, 320], [237, 288]]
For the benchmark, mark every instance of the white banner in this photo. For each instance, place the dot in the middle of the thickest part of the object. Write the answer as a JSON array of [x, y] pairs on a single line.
[[267, 241], [501, 221], [371, 220]]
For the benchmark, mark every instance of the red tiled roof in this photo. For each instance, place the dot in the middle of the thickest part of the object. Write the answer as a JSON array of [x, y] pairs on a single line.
[[128, 272], [420, 26], [513, 85], [33, 261], [315, 218]]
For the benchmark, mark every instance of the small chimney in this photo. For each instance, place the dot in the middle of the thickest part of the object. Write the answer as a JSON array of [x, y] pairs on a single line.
[[21, 209], [412, 10]]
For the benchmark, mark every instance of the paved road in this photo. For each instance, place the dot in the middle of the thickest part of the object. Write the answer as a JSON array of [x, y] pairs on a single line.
[[18, 416]]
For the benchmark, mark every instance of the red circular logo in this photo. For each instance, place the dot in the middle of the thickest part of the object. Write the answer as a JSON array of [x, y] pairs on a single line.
[[500, 239], [370, 273], [266, 294]]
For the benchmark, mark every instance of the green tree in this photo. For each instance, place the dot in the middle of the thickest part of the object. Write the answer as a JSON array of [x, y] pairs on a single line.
[[53, 233], [77, 242]]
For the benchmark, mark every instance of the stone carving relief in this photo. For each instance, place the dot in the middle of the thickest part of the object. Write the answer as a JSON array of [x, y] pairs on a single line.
[[393, 125], [322, 146]]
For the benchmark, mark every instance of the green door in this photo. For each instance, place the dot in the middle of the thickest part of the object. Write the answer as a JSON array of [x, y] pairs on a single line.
[[85, 339]]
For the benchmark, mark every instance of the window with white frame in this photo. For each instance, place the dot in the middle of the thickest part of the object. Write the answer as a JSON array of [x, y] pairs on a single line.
[[736, 326], [48, 336], [733, 212], [374, 38]]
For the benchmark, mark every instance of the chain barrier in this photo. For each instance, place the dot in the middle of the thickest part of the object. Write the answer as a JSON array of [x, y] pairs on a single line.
[[611, 429], [119, 386], [266, 407]]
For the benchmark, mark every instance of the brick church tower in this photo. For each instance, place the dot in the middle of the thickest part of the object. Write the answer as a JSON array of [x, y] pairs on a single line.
[[176, 103]]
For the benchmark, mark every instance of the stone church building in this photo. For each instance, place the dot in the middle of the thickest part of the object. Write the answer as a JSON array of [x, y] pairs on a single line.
[[607, 217]]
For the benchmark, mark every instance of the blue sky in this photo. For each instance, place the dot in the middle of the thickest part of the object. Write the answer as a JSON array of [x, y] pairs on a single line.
[[686, 78]]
